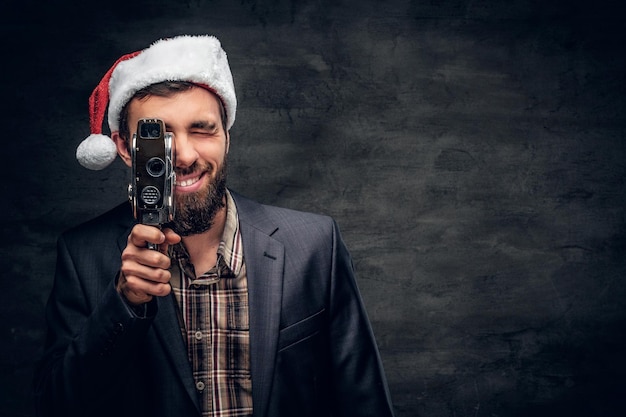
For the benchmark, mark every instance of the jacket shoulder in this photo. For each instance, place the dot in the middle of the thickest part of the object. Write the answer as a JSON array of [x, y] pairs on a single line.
[[271, 219], [110, 223]]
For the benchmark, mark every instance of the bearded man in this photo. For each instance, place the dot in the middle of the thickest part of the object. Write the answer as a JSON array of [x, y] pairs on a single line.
[[244, 309]]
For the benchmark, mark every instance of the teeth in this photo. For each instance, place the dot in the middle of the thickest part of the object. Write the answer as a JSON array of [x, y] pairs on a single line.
[[188, 182]]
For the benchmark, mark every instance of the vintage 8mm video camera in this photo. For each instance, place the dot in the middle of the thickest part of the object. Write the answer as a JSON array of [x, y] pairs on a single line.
[[151, 188]]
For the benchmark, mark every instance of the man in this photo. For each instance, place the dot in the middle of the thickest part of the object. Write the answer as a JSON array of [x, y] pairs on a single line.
[[245, 309]]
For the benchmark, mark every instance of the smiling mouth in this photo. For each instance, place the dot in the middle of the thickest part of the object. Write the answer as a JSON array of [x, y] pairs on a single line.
[[188, 181]]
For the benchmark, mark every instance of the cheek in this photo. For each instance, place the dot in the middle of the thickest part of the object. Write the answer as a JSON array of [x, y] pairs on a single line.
[[213, 154]]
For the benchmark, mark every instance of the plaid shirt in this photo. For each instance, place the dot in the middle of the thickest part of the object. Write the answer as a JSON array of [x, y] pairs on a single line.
[[213, 312]]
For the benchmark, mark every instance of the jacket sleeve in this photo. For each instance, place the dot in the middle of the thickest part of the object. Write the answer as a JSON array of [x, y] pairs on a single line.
[[358, 379], [92, 336]]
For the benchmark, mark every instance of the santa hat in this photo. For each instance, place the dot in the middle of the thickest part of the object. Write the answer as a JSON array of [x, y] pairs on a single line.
[[197, 59]]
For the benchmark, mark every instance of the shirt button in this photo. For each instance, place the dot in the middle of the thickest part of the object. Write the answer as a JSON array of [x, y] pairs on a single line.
[[200, 385], [198, 335]]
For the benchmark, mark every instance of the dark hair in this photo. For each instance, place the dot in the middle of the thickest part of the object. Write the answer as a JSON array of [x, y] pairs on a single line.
[[162, 89]]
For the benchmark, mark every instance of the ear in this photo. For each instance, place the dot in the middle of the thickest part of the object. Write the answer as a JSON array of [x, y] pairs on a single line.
[[227, 141], [123, 148]]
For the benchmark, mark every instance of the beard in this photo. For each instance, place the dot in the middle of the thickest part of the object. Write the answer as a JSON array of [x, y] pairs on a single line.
[[195, 212]]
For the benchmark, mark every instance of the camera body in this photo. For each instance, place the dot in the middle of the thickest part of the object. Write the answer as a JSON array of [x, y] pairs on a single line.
[[151, 188]]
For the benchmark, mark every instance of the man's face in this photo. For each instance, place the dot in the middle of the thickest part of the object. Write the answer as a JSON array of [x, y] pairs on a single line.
[[201, 145]]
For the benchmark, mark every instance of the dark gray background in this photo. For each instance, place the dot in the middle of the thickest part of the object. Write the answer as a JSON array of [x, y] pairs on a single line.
[[472, 152]]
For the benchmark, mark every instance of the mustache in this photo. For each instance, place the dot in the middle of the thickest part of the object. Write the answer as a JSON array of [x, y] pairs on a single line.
[[195, 167]]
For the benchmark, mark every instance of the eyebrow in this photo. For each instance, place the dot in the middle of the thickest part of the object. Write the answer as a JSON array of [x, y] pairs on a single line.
[[203, 124], [199, 124]]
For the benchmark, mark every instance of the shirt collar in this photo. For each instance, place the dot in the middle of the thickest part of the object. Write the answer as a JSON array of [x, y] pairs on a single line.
[[230, 247]]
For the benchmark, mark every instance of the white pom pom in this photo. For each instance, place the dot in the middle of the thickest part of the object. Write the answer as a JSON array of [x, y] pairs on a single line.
[[96, 152]]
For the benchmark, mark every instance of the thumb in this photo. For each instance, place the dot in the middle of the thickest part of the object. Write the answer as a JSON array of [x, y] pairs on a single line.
[[171, 238]]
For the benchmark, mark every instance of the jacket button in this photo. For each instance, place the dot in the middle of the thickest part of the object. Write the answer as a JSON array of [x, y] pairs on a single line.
[[200, 385]]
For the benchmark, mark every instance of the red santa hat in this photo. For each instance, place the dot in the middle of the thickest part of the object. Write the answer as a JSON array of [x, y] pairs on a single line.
[[197, 59]]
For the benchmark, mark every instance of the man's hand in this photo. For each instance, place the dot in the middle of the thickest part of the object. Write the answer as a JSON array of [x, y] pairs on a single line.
[[144, 272]]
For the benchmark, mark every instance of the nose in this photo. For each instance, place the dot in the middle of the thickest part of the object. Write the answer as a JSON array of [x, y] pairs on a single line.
[[184, 151]]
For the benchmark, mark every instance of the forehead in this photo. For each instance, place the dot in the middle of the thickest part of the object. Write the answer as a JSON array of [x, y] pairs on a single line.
[[179, 107]]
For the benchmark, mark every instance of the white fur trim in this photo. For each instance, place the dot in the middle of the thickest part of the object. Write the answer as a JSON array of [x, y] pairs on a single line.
[[197, 59], [96, 152]]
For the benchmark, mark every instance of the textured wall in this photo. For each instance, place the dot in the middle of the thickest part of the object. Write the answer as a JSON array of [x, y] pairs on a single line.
[[472, 152]]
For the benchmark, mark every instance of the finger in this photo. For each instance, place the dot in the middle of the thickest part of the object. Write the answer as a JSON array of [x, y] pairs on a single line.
[[145, 256], [132, 269], [138, 291], [142, 234], [141, 288], [130, 292]]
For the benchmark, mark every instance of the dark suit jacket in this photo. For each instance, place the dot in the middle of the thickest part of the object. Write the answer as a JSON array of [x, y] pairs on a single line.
[[312, 349]]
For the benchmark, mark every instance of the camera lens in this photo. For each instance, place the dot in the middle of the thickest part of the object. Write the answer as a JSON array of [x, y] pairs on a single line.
[[150, 130], [155, 167]]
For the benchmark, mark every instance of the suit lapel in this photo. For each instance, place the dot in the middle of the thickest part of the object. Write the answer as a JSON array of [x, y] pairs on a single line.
[[264, 258], [167, 329]]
